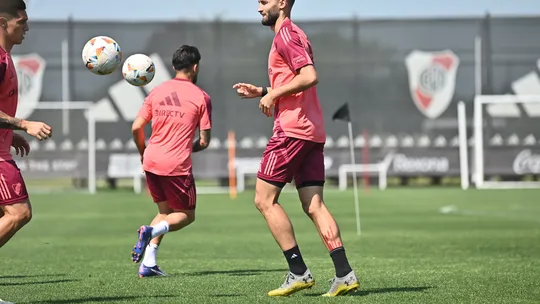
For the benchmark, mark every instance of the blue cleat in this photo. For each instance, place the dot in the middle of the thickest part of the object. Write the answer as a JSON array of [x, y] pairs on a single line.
[[144, 235], [145, 271]]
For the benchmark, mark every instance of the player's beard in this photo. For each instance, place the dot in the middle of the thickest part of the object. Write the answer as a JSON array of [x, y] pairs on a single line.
[[271, 17]]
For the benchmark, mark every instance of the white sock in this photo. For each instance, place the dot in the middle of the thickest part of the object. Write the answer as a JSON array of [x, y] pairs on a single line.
[[160, 229], [150, 255]]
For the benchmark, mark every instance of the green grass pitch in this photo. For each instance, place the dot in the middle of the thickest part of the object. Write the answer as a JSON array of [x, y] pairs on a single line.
[[485, 250]]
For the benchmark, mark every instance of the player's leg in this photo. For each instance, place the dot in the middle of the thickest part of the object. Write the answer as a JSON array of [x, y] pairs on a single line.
[[163, 211], [266, 200], [16, 215], [14, 201], [155, 188], [309, 182], [181, 196], [179, 204], [149, 235], [314, 206], [150, 255], [278, 165]]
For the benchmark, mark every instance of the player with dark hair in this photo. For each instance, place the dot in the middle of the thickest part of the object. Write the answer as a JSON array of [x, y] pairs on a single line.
[[15, 208], [15, 205], [176, 108], [295, 150]]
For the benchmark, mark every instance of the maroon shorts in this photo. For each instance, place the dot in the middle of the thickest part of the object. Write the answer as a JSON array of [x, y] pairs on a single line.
[[12, 186], [178, 191], [286, 158]]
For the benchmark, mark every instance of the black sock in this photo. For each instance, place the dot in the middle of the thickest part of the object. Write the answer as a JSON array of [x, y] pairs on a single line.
[[340, 262], [296, 263]]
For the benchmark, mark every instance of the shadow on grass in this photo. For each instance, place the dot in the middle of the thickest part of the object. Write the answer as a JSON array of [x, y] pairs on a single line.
[[365, 292], [35, 282], [101, 299], [32, 276], [239, 272], [232, 295]]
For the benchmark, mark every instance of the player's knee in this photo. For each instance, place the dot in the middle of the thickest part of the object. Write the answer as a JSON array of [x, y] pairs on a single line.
[[312, 204], [189, 216], [260, 203], [23, 216], [313, 207], [19, 213], [266, 194]]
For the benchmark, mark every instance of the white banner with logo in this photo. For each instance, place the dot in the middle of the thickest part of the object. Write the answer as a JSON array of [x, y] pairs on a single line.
[[30, 70]]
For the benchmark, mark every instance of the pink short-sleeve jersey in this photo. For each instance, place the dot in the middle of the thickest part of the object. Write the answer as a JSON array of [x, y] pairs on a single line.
[[176, 108], [298, 115], [9, 96]]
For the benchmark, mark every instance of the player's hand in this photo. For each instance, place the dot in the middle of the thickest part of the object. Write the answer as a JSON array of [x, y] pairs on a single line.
[[20, 144], [246, 90], [38, 129], [267, 105]]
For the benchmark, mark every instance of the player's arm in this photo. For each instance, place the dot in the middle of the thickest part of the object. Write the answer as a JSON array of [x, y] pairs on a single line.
[[37, 129], [6, 121], [262, 91], [246, 90], [205, 125], [293, 51], [137, 129], [305, 79], [203, 141]]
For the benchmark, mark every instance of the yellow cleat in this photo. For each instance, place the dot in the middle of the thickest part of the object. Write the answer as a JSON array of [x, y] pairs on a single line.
[[293, 283], [343, 286]]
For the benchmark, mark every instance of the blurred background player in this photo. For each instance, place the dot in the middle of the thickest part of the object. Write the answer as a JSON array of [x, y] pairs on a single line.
[[176, 108], [295, 150]]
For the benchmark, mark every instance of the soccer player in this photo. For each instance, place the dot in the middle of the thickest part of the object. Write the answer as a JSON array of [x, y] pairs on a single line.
[[295, 150], [176, 108], [15, 208]]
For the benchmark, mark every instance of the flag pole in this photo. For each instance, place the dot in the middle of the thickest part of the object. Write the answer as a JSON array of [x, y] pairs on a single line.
[[343, 114], [355, 181]]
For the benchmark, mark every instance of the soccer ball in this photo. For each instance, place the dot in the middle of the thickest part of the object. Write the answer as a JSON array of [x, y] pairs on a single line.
[[102, 55], [138, 70]]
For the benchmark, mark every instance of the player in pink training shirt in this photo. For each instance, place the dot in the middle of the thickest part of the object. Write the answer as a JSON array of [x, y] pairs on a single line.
[[176, 108], [295, 150], [15, 208]]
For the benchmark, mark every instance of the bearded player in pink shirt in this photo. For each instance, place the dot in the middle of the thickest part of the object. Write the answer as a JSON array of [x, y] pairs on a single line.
[[295, 150], [176, 108]]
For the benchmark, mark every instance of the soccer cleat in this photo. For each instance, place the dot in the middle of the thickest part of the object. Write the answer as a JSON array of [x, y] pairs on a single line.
[[343, 286], [145, 235], [6, 302], [145, 271], [293, 283]]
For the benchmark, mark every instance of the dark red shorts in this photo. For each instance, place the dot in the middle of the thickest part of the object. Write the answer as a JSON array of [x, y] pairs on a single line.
[[287, 158], [178, 191], [12, 186]]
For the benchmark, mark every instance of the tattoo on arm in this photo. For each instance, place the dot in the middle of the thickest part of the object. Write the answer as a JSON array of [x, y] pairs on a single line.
[[203, 141], [8, 122]]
